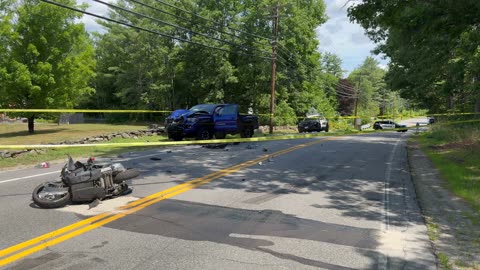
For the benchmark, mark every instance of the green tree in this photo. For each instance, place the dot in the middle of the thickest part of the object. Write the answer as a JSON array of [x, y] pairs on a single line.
[[371, 94], [433, 47], [178, 74], [332, 64], [49, 59]]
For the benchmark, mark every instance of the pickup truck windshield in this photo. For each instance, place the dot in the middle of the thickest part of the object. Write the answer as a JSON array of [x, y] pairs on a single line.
[[203, 107]]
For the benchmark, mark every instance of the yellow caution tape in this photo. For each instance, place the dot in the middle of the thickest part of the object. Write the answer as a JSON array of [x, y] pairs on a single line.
[[80, 111], [458, 122], [193, 142], [166, 111], [165, 143]]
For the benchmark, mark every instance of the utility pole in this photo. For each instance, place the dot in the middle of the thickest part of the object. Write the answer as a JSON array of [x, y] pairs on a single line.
[[274, 64], [357, 94]]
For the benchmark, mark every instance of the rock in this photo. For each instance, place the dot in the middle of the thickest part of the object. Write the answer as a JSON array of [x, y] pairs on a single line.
[[153, 126], [251, 146], [5, 154], [125, 135]]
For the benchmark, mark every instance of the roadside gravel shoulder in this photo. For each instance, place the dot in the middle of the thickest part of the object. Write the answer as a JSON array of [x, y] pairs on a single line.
[[453, 225]]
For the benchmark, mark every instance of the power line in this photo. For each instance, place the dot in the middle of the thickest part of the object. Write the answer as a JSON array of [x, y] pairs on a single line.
[[149, 30], [201, 17], [190, 21], [174, 25], [343, 96], [290, 53]]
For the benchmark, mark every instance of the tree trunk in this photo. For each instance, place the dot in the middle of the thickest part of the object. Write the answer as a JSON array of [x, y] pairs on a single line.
[[31, 129]]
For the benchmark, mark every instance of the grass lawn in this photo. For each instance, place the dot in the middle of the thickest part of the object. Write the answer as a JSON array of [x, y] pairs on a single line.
[[455, 151], [49, 133]]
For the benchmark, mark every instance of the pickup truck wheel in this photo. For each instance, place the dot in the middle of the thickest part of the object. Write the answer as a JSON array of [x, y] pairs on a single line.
[[247, 133], [176, 137], [326, 129], [204, 134], [220, 135]]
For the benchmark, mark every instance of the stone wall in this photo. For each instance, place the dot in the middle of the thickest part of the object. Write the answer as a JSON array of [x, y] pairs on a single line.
[[95, 139]]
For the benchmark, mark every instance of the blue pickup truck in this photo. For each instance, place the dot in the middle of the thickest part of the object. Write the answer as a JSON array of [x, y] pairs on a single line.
[[205, 121]]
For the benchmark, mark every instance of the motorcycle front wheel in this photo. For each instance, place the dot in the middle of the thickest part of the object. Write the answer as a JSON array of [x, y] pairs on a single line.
[[51, 195]]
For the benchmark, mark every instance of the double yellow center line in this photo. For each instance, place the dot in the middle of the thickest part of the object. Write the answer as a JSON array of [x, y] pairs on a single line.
[[58, 236]]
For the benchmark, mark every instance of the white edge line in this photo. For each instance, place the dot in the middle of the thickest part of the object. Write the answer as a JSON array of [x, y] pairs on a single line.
[[43, 174], [383, 258], [26, 177]]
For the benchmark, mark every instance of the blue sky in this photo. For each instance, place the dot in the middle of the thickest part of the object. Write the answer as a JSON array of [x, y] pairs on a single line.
[[338, 35], [344, 38]]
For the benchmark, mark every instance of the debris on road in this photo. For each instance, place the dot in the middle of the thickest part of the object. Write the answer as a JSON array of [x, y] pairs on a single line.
[[43, 165], [155, 158], [169, 151], [94, 204], [216, 146], [251, 146], [265, 150], [270, 158], [168, 171], [260, 163]]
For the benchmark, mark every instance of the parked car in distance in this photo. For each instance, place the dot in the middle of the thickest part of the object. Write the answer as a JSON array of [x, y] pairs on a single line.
[[313, 123], [389, 124]]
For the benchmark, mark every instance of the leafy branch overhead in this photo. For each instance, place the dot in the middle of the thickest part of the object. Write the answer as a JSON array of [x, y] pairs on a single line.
[[433, 47]]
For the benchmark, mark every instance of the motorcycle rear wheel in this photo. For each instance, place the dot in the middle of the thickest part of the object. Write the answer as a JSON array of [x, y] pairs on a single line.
[[49, 201]]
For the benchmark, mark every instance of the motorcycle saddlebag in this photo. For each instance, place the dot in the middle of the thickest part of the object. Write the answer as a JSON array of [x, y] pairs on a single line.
[[85, 192]]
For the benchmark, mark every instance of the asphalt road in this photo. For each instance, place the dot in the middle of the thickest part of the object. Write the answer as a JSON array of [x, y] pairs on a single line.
[[329, 203]]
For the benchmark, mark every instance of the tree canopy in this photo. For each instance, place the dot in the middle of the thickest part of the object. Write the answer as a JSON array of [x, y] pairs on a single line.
[[433, 47], [47, 58]]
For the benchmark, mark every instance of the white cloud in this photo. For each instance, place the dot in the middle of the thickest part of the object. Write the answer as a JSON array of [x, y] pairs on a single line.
[[89, 21], [383, 66], [344, 38]]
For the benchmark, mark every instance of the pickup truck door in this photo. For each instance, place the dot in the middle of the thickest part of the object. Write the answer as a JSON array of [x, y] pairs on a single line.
[[226, 118]]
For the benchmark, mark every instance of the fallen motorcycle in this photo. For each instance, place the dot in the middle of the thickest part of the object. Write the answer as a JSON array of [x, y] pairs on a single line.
[[84, 182]]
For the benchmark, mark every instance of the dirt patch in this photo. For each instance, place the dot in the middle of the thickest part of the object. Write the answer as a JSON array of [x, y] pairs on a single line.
[[454, 226], [457, 145]]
